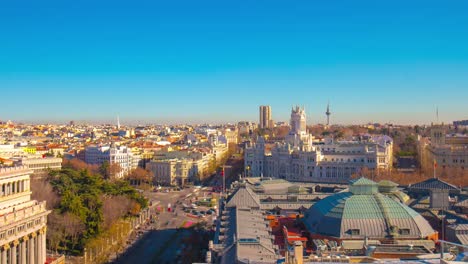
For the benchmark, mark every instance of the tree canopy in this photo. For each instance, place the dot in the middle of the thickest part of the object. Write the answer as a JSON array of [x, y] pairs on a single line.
[[83, 210]]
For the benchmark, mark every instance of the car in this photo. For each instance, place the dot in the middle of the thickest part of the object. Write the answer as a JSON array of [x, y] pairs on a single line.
[[209, 212], [197, 214], [194, 206], [203, 212]]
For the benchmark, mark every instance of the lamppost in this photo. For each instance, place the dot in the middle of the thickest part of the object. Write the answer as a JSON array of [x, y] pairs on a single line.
[[442, 218], [442, 229]]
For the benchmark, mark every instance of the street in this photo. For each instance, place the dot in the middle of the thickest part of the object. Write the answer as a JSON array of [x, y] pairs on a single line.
[[162, 242]]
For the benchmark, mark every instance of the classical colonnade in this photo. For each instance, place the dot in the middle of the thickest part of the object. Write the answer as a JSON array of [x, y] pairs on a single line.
[[30, 249]]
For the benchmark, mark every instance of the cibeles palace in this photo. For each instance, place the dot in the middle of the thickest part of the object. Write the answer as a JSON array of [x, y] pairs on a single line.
[[300, 158], [22, 220]]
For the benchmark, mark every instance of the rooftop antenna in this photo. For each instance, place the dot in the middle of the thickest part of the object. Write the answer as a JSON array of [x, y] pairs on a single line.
[[328, 113]]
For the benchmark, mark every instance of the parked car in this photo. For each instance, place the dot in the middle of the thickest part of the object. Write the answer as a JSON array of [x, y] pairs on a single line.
[[197, 214]]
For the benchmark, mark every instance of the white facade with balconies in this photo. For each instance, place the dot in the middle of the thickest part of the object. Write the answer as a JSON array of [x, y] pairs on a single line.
[[23, 222], [120, 155]]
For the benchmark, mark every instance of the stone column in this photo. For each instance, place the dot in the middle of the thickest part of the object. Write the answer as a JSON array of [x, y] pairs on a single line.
[[23, 253], [39, 248], [14, 249], [31, 248], [44, 244], [37, 241], [5, 249]]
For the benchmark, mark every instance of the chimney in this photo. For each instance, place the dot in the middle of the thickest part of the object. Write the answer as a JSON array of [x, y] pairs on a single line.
[[298, 252]]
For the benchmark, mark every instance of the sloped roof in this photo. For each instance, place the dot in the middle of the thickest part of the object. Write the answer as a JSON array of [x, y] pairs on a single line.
[[387, 183], [363, 186], [433, 184], [463, 203], [363, 181], [461, 237], [244, 198], [248, 239]]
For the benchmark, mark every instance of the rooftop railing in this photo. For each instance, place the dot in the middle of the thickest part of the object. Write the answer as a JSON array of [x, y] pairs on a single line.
[[22, 213], [10, 170]]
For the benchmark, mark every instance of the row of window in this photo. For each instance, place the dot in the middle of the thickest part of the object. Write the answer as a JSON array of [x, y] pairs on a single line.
[[20, 228], [340, 151], [455, 161], [357, 232], [46, 165]]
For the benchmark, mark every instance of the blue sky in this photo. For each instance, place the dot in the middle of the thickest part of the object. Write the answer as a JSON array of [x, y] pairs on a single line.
[[215, 61]]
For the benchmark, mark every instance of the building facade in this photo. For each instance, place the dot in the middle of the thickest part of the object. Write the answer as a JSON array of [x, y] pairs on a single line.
[[246, 127], [23, 222], [173, 171], [299, 159], [120, 155], [442, 150], [265, 116], [41, 165], [180, 167]]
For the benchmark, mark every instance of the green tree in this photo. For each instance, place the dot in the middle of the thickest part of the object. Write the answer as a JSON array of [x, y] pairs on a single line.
[[104, 169]]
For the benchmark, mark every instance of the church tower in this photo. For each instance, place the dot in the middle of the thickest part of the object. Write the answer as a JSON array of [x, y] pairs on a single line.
[[438, 134], [438, 131]]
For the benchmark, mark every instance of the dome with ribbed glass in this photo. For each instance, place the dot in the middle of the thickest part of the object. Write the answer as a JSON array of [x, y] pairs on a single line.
[[365, 212]]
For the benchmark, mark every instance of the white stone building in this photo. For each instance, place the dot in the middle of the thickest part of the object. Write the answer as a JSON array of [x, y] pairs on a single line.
[[179, 168], [41, 165], [23, 222], [114, 155], [299, 159], [173, 171]]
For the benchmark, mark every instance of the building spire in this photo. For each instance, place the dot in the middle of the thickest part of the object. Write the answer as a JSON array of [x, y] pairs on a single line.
[[328, 113], [118, 122]]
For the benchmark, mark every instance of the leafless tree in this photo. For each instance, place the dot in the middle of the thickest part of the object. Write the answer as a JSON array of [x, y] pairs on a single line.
[[43, 191], [74, 227], [115, 207]]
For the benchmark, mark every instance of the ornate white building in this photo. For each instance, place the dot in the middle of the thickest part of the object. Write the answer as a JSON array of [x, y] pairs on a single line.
[[298, 121], [22, 220], [114, 155], [299, 159]]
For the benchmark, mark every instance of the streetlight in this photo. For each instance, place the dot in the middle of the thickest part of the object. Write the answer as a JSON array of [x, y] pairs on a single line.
[[247, 169], [442, 221]]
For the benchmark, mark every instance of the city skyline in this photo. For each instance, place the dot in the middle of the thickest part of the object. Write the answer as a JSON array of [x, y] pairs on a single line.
[[217, 62]]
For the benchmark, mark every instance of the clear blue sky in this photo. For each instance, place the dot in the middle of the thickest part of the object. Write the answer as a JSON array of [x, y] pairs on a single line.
[[193, 61]]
